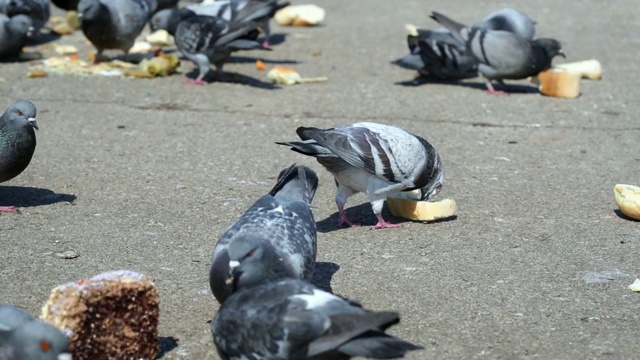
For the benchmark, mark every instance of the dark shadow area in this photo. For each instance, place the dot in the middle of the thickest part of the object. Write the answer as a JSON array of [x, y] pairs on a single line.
[[252, 60], [24, 196], [323, 273], [508, 88], [233, 78], [623, 216], [276, 39], [42, 38], [167, 343]]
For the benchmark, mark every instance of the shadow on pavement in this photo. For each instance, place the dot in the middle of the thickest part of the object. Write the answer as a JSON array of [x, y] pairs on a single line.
[[167, 343], [233, 78], [24, 196], [323, 273]]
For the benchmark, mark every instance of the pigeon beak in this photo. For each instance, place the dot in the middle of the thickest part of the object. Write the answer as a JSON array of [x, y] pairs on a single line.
[[30, 31], [64, 356], [33, 123], [221, 277], [561, 53]]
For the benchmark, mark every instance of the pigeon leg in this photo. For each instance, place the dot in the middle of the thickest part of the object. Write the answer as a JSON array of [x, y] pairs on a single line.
[[196, 82], [492, 91], [382, 224], [8, 209], [344, 220]]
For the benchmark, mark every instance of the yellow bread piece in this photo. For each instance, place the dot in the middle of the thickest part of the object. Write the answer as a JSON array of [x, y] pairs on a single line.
[[300, 15], [421, 210], [588, 69], [559, 83], [283, 75], [628, 200]]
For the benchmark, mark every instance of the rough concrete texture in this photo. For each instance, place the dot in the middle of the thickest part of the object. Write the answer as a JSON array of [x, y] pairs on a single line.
[[146, 174]]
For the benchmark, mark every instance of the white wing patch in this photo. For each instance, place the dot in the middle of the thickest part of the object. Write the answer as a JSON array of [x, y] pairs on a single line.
[[319, 298]]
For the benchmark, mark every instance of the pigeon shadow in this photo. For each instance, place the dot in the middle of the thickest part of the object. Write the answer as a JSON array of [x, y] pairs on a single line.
[[508, 88], [623, 216], [167, 343], [251, 60], [363, 212], [277, 39], [42, 38], [233, 78], [20, 196], [323, 273]]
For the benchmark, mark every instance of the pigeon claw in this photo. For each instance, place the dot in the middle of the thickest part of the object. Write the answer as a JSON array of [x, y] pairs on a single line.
[[496, 92], [196, 82], [7, 209], [383, 224]]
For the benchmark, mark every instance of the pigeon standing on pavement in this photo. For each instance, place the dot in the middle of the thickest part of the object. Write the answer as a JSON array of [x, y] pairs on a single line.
[[375, 159], [17, 140], [503, 54], [13, 34], [38, 10], [278, 228], [114, 24], [23, 338], [209, 39], [292, 319], [438, 54]]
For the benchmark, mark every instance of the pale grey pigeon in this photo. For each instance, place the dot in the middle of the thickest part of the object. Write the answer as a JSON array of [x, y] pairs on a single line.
[[13, 34], [114, 24], [23, 338], [503, 54], [38, 10], [279, 227], [376, 159], [17, 140], [438, 54], [292, 319], [211, 39]]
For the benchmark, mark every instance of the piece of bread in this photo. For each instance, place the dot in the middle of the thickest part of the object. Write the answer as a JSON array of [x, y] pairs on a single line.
[[559, 83], [628, 200], [300, 15], [421, 210], [588, 69], [110, 316]]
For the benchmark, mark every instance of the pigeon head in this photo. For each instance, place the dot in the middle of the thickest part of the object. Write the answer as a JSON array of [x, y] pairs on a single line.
[[21, 113], [434, 186], [37, 340], [551, 47], [161, 19], [245, 263], [88, 9], [21, 25]]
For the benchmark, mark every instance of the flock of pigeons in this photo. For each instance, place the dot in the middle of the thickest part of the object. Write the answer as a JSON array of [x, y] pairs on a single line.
[[501, 46]]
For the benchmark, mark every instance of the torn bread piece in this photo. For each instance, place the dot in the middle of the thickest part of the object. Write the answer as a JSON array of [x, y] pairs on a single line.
[[628, 200], [412, 209]]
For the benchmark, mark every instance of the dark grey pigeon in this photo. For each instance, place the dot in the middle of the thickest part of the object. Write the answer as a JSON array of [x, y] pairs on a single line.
[[292, 319], [114, 24], [38, 10], [375, 159], [438, 54], [23, 338], [503, 54], [13, 34], [209, 39], [278, 228], [17, 140]]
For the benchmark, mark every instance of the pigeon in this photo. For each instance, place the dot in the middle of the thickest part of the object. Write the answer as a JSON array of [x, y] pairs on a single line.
[[13, 34], [211, 39], [503, 54], [376, 159], [292, 319], [114, 24], [38, 10], [17, 141], [277, 229], [22, 337], [439, 55]]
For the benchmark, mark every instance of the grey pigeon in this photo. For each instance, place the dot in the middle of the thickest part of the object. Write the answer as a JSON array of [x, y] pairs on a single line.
[[279, 228], [375, 159], [114, 24], [210, 39], [13, 34], [292, 319], [17, 140], [503, 54], [23, 338], [38, 10], [438, 54]]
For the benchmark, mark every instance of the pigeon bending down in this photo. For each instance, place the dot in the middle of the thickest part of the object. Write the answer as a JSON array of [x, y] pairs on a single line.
[[17, 141], [13, 34], [23, 338], [503, 54], [375, 159], [274, 238], [208, 39], [438, 54], [38, 10], [292, 319], [114, 24]]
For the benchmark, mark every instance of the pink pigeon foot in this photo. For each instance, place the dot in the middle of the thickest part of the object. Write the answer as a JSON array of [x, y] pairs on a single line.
[[265, 43], [490, 90], [383, 224], [344, 220], [196, 82], [8, 209]]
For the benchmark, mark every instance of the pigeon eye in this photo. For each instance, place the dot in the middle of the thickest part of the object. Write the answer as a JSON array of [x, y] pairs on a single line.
[[19, 113], [45, 346], [250, 253]]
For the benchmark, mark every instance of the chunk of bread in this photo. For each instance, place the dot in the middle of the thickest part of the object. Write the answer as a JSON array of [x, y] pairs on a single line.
[[559, 83], [421, 210], [300, 15], [588, 69], [110, 316], [628, 200]]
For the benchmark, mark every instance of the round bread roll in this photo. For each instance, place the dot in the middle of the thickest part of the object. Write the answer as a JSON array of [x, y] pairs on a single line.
[[559, 83], [421, 210], [628, 200]]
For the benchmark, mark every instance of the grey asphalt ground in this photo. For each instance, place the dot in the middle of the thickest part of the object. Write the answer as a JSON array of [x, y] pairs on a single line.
[[147, 174]]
